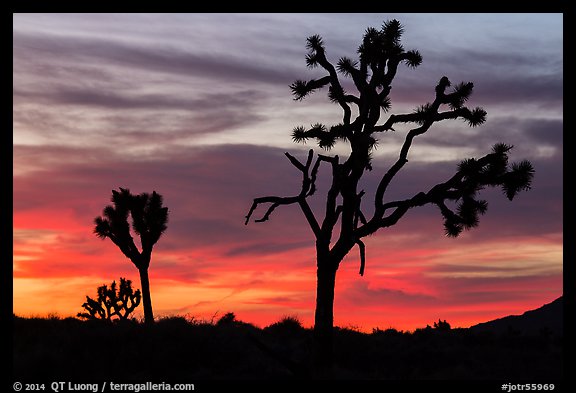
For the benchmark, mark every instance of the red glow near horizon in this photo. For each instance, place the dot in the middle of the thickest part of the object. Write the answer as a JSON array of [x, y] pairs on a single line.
[[209, 263], [403, 291]]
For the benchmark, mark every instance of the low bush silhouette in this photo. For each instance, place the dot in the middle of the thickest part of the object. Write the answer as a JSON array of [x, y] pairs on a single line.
[[442, 325], [288, 324], [112, 302], [227, 319], [191, 349]]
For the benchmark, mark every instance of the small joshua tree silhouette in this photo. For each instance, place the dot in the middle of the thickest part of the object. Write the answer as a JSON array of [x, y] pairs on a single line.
[[149, 221], [111, 302]]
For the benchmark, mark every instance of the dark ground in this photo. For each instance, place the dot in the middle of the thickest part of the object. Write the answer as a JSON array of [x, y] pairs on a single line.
[[177, 349]]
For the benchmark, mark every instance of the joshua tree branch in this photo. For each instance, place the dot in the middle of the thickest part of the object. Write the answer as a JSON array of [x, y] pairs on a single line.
[[429, 116], [489, 170], [308, 188], [362, 249], [335, 83], [275, 202]]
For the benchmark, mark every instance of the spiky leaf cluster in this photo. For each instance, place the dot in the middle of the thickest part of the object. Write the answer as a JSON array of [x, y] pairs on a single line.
[[379, 45], [493, 171], [460, 95], [325, 138], [475, 117], [347, 66], [300, 89], [149, 216], [385, 104], [299, 134], [423, 112], [115, 217], [149, 219], [413, 58]]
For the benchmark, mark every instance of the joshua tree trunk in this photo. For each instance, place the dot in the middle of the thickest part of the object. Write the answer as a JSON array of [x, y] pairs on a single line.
[[324, 316], [142, 262], [146, 300]]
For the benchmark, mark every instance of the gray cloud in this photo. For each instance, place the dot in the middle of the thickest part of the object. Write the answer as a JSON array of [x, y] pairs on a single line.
[[477, 290], [511, 78], [217, 102], [545, 131], [134, 121], [528, 135], [209, 191], [360, 293], [150, 57], [262, 248]]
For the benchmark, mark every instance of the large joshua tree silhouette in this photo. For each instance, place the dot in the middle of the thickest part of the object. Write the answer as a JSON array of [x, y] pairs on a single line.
[[380, 54], [149, 219]]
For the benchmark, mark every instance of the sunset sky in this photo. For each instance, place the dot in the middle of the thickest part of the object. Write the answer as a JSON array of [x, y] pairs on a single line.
[[197, 107]]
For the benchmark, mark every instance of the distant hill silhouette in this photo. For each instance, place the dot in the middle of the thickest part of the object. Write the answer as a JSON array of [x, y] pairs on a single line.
[[549, 317]]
